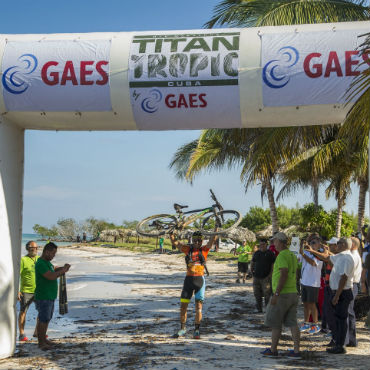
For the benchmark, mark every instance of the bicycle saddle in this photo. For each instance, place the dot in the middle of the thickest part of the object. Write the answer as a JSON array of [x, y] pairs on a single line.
[[178, 207]]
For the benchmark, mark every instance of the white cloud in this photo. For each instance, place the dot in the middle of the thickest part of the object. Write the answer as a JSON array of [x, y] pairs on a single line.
[[51, 193]]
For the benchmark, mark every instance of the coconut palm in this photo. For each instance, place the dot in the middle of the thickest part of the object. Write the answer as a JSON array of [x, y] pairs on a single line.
[[356, 128], [257, 13], [260, 152], [330, 163], [254, 13]]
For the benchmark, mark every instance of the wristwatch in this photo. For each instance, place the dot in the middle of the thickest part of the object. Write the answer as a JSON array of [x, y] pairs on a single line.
[[277, 294]]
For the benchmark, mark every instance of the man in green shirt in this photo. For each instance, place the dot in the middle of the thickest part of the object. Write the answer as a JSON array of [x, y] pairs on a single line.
[[244, 253], [46, 291], [161, 241], [282, 307], [27, 286]]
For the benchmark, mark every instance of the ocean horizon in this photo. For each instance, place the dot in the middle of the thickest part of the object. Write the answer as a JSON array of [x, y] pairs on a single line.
[[26, 237]]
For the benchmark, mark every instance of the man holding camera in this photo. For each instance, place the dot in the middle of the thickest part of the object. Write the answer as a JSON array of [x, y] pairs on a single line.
[[46, 291]]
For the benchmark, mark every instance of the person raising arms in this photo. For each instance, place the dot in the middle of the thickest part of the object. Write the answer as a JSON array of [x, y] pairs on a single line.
[[196, 256]]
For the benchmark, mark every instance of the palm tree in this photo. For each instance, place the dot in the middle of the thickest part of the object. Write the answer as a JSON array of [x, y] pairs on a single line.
[[257, 13], [254, 13], [356, 129], [260, 153]]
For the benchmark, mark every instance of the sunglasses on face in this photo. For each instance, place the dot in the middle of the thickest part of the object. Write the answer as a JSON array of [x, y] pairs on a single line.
[[197, 239], [313, 242]]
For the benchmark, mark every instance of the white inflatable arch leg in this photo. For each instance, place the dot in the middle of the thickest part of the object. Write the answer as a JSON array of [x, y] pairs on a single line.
[[11, 188]]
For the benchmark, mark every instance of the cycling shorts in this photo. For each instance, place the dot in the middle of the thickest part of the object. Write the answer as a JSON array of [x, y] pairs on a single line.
[[193, 284]]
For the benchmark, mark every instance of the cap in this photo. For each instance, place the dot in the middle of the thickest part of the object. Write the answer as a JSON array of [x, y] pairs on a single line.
[[281, 236], [333, 240]]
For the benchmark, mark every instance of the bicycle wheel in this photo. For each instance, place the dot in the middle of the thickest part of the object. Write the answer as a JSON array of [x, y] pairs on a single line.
[[156, 225], [227, 220]]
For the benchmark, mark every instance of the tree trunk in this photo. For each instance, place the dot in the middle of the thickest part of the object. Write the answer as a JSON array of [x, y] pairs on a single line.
[[271, 199], [315, 193], [339, 217], [361, 203]]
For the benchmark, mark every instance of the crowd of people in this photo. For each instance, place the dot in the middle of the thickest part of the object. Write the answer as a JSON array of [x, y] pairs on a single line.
[[327, 275]]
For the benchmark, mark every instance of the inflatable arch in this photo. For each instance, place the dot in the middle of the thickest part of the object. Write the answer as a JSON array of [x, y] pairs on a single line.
[[160, 80]]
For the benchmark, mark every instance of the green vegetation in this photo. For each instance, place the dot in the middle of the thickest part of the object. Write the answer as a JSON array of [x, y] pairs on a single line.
[[69, 228], [309, 218]]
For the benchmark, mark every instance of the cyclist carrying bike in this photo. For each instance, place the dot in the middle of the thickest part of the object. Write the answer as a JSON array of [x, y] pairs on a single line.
[[196, 256]]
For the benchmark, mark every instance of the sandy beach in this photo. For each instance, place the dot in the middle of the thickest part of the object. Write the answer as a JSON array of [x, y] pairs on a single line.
[[124, 308]]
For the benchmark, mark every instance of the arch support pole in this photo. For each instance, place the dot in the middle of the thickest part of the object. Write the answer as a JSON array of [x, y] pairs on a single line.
[[11, 189]]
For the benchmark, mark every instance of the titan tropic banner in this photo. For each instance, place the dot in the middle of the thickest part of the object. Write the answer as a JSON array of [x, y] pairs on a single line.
[[179, 79]]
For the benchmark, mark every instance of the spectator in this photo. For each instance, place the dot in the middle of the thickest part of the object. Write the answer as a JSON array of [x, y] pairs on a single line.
[[272, 247], [27, 287], [351, 340], [341, 284], [365, 282], [84, 236], [46, 291], [262, 264], [282, 307], [328, 319], [161, 241], [310, 283], [244, 253]]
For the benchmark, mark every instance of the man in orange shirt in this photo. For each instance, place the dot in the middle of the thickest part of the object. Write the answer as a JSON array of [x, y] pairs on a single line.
[[196, 256]]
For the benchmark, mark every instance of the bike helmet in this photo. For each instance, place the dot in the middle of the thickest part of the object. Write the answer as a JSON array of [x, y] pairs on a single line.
[[197, 234]]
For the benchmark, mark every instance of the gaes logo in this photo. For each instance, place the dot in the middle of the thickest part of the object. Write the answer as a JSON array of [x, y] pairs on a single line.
[[150, 104], [12, 77], [274, 72]]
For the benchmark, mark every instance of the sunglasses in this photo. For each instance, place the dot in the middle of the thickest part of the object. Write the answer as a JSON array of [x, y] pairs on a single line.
[[313, 242], [197, 238]]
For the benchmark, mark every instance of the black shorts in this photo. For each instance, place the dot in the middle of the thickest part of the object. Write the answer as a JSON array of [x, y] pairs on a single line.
[[310, 294], [243, 267], [193, 284], [26, 300]]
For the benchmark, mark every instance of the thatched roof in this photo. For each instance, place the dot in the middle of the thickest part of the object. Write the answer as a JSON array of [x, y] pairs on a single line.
[[241, 234]]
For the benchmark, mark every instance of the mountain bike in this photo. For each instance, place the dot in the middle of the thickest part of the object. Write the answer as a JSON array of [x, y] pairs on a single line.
[[206, 220]]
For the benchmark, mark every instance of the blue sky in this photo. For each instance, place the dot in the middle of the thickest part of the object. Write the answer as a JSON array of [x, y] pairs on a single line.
[[118, 175]]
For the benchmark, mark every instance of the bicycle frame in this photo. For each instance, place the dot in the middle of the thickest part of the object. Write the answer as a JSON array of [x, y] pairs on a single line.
[[187, 221]]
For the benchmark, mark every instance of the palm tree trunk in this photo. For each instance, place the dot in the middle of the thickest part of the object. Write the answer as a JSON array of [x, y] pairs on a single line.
[[361, 203], [273, 212], [338, 224], [315, 193]]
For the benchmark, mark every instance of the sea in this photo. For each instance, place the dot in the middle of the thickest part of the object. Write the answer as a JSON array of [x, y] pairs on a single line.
[[37, 238]]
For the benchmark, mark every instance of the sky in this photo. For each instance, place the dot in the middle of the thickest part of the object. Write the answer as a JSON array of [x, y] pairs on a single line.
[[119, 175]]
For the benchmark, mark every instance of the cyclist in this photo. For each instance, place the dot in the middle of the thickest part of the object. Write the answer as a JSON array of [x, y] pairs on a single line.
[[196, 256]]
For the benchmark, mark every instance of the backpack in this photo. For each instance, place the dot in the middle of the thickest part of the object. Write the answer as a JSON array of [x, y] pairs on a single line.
[[202, 260]]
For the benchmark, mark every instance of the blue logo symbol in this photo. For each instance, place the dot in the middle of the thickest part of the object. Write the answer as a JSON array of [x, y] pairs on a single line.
[[150, 104], [275, 72], [13, 77]]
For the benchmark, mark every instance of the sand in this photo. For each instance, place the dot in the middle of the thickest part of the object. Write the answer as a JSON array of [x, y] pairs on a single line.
[[124, 308]]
